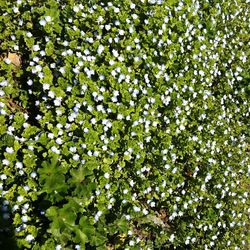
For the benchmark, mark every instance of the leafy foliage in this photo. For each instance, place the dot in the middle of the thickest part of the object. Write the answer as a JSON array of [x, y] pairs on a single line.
[[125, 124]]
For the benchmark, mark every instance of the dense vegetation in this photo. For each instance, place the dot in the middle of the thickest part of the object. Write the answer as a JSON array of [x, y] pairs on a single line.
[[124, 124]]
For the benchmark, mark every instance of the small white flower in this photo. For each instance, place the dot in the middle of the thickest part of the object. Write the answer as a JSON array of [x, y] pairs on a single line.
[[106, 175], [131, 243], [131, 183], [59, 141], [120, 116], [20, 198], [125, 191], [100, 19], [29, 238], [136, 209], [72, 149], [93, 121], [172, 236], [19, 165], [3, 177], [57, 102], [46, 86], [100, 49], [7, 61], [132, 6], [134, 16], [76, 8], [36, 47], [5, 162], [62, 70], [55, 150], [30, 82], [51, 94], [42, 22], [107, 27], [33, 175], [136, 40], [47, 18], [9, 150], [24, 218], [182, 127], [218, 206], [58, 247], [99, 213], [77, 247], [76, 157]]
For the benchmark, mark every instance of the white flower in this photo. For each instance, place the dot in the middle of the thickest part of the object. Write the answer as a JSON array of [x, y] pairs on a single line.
[[51, 94], [106, 175], [62, 70], [29, 237], [136, 209], [24, 218], [76, 157], [218, 206], [7, 61], [145, 211], [76, 8], [134, 16], [33, 175], [59, 141], [107, 27], [115, 53], [5, 162], [174, 170], [136, 40], [19, 165], [98, 214], [100, 19], [36, 47], [172, 236], [93, 121], [42, 22], [116, 10], [20, 198], [100, 49], [131, 183], [57, 102], [120, 117], [72, 149], [47, 18], [77, 247], [46, 86], [131, 243], [132, 6], [9, 150], [55, 150], [58, 247], [3, 177], [182, 127]]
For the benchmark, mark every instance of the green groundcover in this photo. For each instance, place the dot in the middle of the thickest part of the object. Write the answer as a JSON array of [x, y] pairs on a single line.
[[124, 124]]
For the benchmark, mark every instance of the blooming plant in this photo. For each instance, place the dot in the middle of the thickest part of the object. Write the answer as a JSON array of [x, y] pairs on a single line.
[[124, 124]]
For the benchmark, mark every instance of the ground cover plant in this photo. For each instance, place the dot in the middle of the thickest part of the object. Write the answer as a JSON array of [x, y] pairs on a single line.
[[124, 124]]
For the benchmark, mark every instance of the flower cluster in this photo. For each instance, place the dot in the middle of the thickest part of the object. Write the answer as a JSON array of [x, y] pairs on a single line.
[[126, 124]]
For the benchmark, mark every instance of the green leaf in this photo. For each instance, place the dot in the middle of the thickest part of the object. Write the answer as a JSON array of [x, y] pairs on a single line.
[[49, 49], [86, 227], [97, 240], [80, 237], [7, 140], [52, 212]]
